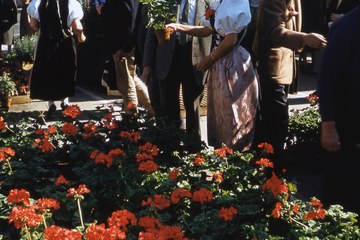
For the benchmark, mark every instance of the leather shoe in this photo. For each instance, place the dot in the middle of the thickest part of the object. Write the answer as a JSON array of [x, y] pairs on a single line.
[[50, 111]]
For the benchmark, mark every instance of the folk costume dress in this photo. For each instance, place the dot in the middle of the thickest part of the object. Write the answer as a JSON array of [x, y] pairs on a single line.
[[232, 84], [54, 72]]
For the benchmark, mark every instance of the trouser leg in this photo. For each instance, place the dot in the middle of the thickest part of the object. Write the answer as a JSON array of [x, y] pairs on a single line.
[[125, 73]]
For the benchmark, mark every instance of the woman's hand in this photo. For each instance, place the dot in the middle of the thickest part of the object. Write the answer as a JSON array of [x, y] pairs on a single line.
[[330, 140], [205, 64], [173, 27], [146, 75]]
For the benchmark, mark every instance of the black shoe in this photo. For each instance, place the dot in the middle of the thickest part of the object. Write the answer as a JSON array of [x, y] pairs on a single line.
[[63, 106], [50, 111]]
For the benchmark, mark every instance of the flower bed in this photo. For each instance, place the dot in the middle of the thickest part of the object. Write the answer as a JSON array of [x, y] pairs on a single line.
[[121, 177]]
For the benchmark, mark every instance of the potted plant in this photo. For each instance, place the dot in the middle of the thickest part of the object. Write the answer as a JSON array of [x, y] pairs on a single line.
[[159, 13], [7, 90], [24, 49]]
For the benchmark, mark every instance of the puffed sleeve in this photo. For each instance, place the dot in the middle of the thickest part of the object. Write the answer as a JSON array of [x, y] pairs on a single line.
[[75, 11], [232, 16], [33, 9]]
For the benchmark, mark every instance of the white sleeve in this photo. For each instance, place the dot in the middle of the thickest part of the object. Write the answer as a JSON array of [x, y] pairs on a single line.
[[75, 11], [33, 9], [232, 16]]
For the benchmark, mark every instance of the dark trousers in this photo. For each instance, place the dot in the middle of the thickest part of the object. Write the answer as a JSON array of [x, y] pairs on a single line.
[[273, 119], [342, 169], [182, 72]]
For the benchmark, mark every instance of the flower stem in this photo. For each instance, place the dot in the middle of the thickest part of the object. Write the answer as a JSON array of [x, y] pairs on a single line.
[[8, 162], [28, 235], [80, 212], [45, 225], [9, 129], [301, 224]]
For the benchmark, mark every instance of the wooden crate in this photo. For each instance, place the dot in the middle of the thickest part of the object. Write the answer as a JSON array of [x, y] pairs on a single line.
[[20, 99]]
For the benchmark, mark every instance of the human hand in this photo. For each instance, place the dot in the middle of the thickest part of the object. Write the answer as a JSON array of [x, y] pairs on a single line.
[[173, 27], [315, 40], [334, 17], [81, 38], [120, 54], [205, 64], [330, 140], [146, 75]]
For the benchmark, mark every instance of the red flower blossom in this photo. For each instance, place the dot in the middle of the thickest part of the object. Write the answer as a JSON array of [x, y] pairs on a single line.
[[267, 147], [24, 216], [148, 166], [174, 174], [276, 212], [72, 111], [81, 190], [264, 162], [171, 232], [158, 201], [227, 213], [209, 13], [69, 129], [99, 232], [198, 159], [2, 124], [6, 152], [222, 152], [218, 177], [19, 196], [275, 185], [148, 222], [58, 233], [178, 194], [61, 180], [121, 219], [44, 204], [203, 195]]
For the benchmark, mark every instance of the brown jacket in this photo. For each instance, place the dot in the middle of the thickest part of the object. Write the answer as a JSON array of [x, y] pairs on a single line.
[[277, 38]]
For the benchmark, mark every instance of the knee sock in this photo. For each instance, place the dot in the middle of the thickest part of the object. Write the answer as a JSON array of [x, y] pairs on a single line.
[[65, 101]]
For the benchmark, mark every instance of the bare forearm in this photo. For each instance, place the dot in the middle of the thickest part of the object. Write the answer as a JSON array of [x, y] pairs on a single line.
[[197, 31], [34, 24], [226, 45], [78, 30]]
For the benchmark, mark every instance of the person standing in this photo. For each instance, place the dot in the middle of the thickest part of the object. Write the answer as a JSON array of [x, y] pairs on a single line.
[[278, 37], [54, 71], [8, 18], [169, 65], [120, 25], [338, 89], [232, 84]]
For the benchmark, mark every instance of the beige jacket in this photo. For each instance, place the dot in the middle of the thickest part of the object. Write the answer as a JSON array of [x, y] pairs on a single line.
[[277, 38]]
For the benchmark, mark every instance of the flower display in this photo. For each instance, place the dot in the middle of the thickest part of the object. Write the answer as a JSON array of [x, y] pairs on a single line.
[[83, 180]]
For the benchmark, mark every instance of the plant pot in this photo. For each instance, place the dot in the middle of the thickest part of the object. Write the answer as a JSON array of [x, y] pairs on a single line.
[[163, 35]]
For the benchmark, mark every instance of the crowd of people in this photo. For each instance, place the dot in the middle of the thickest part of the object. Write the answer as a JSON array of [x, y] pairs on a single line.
[[245, 51]]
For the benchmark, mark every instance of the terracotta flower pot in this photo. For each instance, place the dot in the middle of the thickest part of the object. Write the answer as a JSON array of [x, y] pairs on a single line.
[[163, 35]]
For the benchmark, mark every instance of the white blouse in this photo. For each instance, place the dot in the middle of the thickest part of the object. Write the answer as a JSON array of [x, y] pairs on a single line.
[[75, 11], [231, 16]]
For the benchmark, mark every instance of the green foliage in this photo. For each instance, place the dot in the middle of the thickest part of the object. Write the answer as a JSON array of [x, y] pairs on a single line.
[[7, 85], [160, 12], [24, 48], [304, 126]]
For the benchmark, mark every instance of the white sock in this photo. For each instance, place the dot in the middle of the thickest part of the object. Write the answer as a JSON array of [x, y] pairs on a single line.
[[65, 101]]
